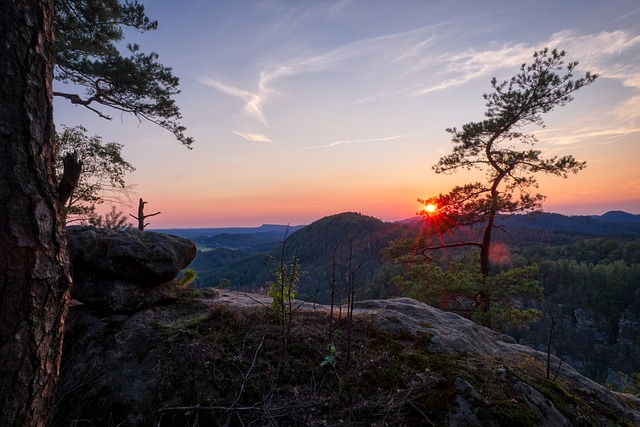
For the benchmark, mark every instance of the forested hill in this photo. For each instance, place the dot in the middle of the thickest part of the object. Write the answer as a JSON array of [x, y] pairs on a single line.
[[347, 240], [340, 248], [241, 257], [614, 224]]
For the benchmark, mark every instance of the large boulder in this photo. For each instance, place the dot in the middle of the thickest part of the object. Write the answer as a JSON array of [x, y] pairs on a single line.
[[133, 256], [125, 270]]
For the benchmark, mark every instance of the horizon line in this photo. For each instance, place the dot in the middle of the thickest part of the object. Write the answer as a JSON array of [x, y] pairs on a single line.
[[391, 221]]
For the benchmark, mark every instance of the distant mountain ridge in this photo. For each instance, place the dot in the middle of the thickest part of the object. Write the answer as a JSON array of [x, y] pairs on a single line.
[[613, 223], [618, 216], [213, 231], [558, 221]]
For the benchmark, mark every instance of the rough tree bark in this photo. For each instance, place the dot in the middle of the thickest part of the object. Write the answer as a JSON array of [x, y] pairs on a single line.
[[34, 265]]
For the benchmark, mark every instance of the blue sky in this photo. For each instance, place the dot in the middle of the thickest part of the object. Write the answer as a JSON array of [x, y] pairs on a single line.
[[302, 109]]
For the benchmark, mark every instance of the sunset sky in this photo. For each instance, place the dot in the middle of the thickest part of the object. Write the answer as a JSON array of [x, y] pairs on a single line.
[[302, 109]]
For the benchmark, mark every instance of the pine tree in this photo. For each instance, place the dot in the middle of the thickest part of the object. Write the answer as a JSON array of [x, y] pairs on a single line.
[[499, 146]]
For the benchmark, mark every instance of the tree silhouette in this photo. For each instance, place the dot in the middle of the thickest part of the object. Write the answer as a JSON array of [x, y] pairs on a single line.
[[141, 215], [499, 146]]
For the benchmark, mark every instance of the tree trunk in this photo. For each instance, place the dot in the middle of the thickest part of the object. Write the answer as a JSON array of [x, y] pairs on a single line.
[[34, 265], [485, 247], [484, 298]]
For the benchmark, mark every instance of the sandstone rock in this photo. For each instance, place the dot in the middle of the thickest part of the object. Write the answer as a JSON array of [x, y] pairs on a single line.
[[453, 334], [125, 270], [118, 296], [115, 367], [145, 258], [467, 399], [543, 408]]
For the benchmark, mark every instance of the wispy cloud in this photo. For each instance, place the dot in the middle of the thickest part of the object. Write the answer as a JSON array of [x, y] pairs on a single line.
[[336, 8], [605, 53], [600, 136], [595, 51], [629, 110], [609, 54], [253, 101], [367, 100], [386, 49], [253, 137], [364, 141], [463, 67], [406, 57]]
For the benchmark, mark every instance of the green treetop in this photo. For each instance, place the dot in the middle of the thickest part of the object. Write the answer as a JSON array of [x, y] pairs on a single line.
[[86, 54]]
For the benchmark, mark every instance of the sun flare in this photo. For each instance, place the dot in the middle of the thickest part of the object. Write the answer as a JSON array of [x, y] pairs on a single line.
[[430, 208]]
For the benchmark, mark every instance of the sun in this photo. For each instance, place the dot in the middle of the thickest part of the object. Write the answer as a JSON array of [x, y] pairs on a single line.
[[430, 208]]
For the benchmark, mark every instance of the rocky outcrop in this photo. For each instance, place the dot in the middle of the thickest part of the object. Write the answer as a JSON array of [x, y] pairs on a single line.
[[214, 357], [450, 333], [453, 334], [125, 270]]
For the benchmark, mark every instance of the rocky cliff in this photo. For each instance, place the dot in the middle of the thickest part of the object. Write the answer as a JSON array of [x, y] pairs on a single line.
[[215, 357]]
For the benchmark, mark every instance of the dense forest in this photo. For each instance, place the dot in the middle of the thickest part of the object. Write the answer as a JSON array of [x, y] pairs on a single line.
[[592, 290], [588, 267]]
